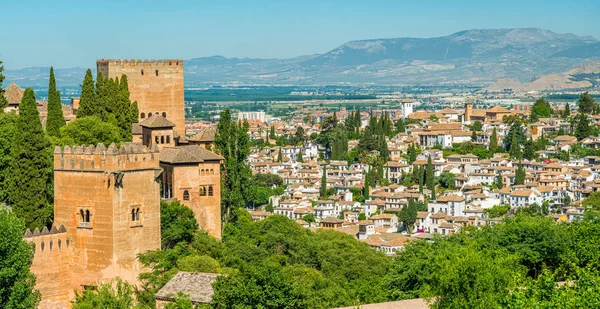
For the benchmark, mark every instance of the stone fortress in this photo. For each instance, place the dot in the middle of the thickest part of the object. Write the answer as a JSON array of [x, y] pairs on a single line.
[[107, 199]]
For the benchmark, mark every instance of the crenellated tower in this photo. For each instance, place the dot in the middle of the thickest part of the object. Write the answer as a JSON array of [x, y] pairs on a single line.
[[157, 86], [107, 207]]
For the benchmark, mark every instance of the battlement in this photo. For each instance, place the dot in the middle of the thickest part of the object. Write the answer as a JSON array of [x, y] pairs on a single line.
[[133, 63], [48, 240], [130, 156]]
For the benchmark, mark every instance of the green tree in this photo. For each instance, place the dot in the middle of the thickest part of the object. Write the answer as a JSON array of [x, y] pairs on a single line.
[[3, 101], [567, 111], [446, 180], [299, 136], [134, 112], [30, 181], [323, 190], [17, 283], [400, 126], [89, 130], [515, 147], [177, 224], [430, 178], [408, 215], [499, 181], [300, 158], [182, 301], [280, 156], [516, 132], [582, 126], [367, 190], [8, 123], [540, 109], [232, 142], [493, 146], [520, 175], [529, 151], [592, 201], [55, 119], [586, 103], [116, 295], [477, 126], [272, 133], [88, 105]]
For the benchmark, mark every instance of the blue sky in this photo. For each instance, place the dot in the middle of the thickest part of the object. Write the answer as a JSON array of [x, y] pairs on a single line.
[[75, 33]]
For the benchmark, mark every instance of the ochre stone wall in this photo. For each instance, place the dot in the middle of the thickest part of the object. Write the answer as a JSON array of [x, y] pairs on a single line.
[[193, 177], [51, 266], [157, 86], [108, 183]]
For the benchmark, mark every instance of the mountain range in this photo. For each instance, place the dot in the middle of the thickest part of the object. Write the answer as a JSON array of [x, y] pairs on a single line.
[[475, 57]]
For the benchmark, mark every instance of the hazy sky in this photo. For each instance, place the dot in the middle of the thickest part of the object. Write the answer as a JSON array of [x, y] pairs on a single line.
[[76, 33]]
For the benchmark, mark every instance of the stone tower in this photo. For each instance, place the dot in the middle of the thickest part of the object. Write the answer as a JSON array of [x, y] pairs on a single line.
[[108, 201], [157, 86], [468, 112], [407, 107]]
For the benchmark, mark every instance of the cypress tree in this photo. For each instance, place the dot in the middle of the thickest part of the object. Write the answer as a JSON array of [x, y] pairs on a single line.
[[272, 134], [499, 181], [529, 151], [323, 190], [30, 183], [56, 119], [367, 191], [520, 175], [415, 175], [87, 101], [300, 159], [3, 101], [493, 147], [134, 112], [430, 178], [279, 156], [567, 111], [515, 147], [421, 179]]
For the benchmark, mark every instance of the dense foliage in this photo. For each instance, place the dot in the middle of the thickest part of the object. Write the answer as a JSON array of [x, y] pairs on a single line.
[[3, 101], [276, 263], [16, 281], [89, 130], [177, 224], [484, 267]]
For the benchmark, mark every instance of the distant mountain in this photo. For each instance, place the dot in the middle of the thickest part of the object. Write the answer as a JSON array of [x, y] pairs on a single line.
[[584, 75], [478, 56]]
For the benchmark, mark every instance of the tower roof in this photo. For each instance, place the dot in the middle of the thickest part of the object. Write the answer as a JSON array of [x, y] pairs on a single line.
[[157, 121], [14, 94]]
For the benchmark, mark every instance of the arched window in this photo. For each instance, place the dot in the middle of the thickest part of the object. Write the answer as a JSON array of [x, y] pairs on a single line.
[[210, 191], [164, 114], [137, 214], [202, 191], [202, 172], [149, 114], [42, 245], [168, 139], [212, 172], [186, 195], [156, 139], [142, 115], [142, 71], [133, 215], [51, 244], [162, 139], [87, 216], [156, 72], [59, 244], [81, 216]]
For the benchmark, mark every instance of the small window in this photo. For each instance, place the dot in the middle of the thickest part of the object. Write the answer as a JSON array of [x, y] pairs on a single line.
[[42, 245], [212, 172], [51, 244], [164, 114], [186, 195], [59, 244], [210, 191], [201, 172], [133, 215], [168, 139], [162, 139], [87, 216], [202, 191], [156, 139], [142, 71], [142, 115], [156, 72]]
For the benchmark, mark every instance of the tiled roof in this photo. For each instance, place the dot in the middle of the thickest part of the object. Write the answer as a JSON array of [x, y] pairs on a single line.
[[187, 154], [204, 135], [14, 94], [157, 121], [197, 285]]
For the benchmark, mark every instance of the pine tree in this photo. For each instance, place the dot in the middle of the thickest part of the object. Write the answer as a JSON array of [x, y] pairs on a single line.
[[87, 102], [323, 190], [30, 183], [3, 101], [56, 119], [493, 147], [430, 178]]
